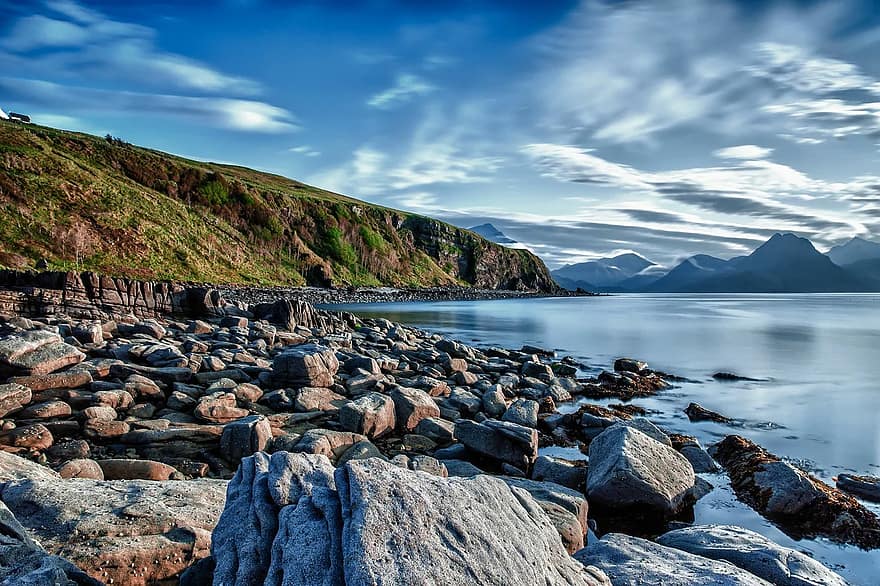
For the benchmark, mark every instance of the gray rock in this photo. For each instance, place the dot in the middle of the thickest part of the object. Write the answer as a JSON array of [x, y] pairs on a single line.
[[412, 406], [14, 467], [630, 561], [549, 492], [360, 451], [629, 470], [460, 468], [371, 415], [508, 442], [699, 458], [866, 487], [308, 365], [317, 399], [436, 429], [560, 471], [522, 411], [329, 443], [13, 397], [245, 437], [629, 365], [494, 404], [647, 428], [752, 552]]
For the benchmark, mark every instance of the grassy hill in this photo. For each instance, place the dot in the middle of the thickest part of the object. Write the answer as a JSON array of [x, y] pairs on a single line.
[[84, 202]]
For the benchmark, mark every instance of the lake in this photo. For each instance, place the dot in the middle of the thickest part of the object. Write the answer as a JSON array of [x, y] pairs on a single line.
[[818, 355]]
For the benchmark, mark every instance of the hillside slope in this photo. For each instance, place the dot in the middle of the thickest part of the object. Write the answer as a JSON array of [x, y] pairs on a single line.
[[84, 202]]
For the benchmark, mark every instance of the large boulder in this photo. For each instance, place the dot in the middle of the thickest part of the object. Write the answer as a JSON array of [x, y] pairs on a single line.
[[631, 472], [245, 437], [372, 415], [24, 563], [630, 561], [802, 505], [412, 406], [500, 440], [752, 552], [126, 532], [14, 467], [292, 519], [13, 397], [309, 365], [122, 469]]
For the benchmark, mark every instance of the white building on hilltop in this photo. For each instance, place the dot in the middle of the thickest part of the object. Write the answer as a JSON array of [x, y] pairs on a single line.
[[3, 115]]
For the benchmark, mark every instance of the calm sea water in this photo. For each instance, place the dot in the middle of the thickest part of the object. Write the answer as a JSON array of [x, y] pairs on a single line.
[[818, 355]]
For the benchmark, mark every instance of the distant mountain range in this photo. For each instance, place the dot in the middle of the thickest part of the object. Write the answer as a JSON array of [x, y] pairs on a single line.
[[490, 232], [784, 264]]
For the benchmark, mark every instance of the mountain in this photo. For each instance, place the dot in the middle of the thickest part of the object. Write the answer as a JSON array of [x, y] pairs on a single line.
[[601, 274], [83, 202], [783, 264], [857, 249], [868, 271], [689, 272], [493, 234]]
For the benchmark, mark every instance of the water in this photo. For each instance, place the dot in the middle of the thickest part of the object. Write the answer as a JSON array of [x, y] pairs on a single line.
[[819, 356]]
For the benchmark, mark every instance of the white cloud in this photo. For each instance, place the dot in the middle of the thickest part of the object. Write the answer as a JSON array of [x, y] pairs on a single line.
[[745, 151], [304, 150], [794, 67], [405, 88]]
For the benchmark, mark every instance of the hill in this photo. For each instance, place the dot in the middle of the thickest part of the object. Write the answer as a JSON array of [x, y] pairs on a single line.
[[856, 250], [602, 273], [493, 234], [83, 202]]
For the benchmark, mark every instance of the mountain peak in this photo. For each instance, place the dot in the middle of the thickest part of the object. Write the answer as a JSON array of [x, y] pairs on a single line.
[[490, 232], [855, 250]]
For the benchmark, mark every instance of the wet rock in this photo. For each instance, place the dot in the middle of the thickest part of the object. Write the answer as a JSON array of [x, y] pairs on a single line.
[[372, 415], [752, 552], [697, 412], [219, 408], [308, 365], [81, 468], [371, 521], [632, 473], [129, 532], [801, 505], [523, 412], [866, 487], [120, 469], [245, 437], [699, 458], [630, 561], [13, 397], [629, 365], [412, 406], [500, 440], [729, 376]]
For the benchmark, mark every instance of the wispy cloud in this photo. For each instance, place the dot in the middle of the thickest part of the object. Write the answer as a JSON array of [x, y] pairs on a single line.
[[747, 152], [406, 87], [304, 150]]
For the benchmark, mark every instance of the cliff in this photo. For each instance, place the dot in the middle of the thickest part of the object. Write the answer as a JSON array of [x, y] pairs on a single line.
[[84, 203]]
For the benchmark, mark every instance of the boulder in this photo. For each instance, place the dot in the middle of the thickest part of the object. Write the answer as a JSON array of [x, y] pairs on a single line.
[[563, 472], [629, 365], [29, 437], [752, 552], [328, 443], [81, 468], [523, 412], [24, 563], [436, 429], [122, 469], [800, 504], [372, 415], [48, 358], [697, 412], [630, 472], [647, 428], [46, 410], [123, 532], [14, 467], [292, 519], [219, 408], [866, 487], [69, 379], [245, 437], [500, 440], [494, 404], [630, 561], [308, 365], [412, 406], [13, 397], [317, 399], [15, 346]]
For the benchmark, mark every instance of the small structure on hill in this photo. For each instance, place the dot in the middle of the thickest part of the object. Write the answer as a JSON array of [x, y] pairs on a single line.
[[3, 115], [20, 117]]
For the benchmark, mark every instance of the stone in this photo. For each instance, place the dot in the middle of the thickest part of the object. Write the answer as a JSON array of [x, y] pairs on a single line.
[[23, 562], [647, 428], [629, 365], [245, 437], [133, 532], [429, 465], [536, 370], [412, 406], [699, 458], [326, 442], [46, 410], [121, 469], [752, 552], [523, 412], [68, 450], [103, 429], [359, 451], [247, 393], [630, 561], [461, 468], [800, 504], [102, 412], [69, 379], [13, 397], [436, 429], [494, 404], [866, 487], [631, 472], [697, 412], [317, 399], [180, 401], [141, 387], [372, 415], [560, 471], [465, 379], [294, 520], [15, 346], [501, 440], [14, 467], [48, 358], [219, 408], [308, 365], [567, 525], [30, 437], [118, 399], [81, 468]]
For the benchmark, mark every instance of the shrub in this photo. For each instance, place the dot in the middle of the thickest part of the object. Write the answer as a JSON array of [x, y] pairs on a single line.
[[372, 239], [338, 248]]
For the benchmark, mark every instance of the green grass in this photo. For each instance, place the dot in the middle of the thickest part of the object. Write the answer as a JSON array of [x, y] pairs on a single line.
[[85, 202]]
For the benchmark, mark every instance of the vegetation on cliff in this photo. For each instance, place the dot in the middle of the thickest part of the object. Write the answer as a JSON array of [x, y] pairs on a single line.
[[84, 202]]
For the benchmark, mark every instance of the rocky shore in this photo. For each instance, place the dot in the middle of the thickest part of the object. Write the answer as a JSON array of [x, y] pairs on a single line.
[[269, 442]]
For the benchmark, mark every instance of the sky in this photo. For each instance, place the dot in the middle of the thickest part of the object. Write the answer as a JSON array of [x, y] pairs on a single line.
[[581, 129]]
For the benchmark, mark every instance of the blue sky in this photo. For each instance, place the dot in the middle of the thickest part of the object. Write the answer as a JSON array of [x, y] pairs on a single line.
[[581, 129]]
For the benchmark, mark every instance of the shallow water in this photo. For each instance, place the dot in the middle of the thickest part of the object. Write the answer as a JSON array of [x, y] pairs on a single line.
[[819, 354]]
